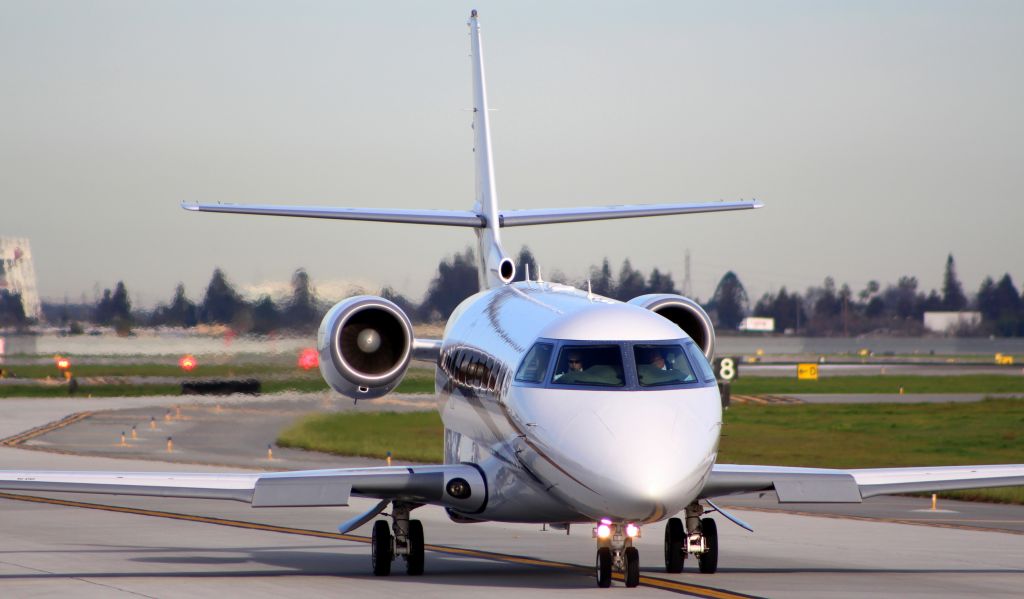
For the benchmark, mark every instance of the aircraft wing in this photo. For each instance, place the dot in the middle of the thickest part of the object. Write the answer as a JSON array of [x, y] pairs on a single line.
[[824, 485], [305, 488]]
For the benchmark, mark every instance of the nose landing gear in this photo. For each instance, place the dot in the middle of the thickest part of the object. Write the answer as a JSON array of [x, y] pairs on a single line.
[[407, 541], [616, 553], [700, 539]]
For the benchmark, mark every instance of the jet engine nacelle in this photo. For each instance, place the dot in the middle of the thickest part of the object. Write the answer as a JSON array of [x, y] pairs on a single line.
[[686, 314], [365, 346]]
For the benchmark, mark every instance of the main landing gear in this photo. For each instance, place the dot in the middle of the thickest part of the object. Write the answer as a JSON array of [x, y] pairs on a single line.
[[700, 539], [407, 541], [616, 553]]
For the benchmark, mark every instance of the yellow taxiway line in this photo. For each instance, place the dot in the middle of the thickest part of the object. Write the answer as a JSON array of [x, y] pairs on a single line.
[[648, 581]]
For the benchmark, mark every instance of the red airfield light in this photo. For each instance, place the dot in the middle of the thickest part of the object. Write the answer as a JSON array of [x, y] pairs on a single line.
[[63, 363], [309, 359], [188, 363]]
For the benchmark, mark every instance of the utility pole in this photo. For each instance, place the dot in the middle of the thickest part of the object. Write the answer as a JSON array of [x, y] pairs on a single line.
[[687, 286]]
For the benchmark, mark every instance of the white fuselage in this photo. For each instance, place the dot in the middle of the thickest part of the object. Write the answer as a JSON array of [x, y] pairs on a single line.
[[570, 453]]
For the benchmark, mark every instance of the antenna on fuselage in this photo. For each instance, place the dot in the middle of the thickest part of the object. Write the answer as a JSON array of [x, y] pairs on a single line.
[[527, 275], [540, 277], [590, 291]]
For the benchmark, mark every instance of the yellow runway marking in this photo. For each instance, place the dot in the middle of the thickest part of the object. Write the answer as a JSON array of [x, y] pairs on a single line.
[[20, 438], [649, 581], [765, 399]]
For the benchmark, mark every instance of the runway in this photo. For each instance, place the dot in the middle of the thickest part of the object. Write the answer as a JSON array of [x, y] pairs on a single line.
[[175, 548]]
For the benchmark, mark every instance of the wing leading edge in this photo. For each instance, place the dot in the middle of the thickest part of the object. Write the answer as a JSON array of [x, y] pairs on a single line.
[[824, 485], [304, 488]]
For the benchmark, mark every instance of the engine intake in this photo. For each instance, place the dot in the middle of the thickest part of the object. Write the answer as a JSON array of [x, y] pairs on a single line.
[[365, 346], [686, 314]]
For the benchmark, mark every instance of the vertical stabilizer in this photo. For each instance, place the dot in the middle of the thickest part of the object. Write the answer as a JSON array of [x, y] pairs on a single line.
[[495, 267]]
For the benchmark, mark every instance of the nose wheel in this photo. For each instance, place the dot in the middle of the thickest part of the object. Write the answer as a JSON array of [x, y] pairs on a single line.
[[616, 553]]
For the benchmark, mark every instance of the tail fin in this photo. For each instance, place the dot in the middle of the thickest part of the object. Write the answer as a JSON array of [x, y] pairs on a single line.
[[496, 268]]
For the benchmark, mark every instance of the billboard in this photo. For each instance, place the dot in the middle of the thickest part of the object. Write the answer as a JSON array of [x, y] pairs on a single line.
[[755, 323]]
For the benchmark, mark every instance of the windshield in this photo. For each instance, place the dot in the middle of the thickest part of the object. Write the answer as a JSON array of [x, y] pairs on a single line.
[[590, 365], [662, 364], [535, 364], [700, 363]]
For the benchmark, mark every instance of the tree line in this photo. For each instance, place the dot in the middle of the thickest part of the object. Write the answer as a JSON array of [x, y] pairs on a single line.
[[896, 308], [825, 310]]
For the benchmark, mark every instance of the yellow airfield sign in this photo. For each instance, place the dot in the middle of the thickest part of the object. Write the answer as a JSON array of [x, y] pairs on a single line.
[[807, 372]]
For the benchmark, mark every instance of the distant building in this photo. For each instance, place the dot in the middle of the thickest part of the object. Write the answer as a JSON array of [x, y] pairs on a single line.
[[948, 322], [757, 323], [18, 274]]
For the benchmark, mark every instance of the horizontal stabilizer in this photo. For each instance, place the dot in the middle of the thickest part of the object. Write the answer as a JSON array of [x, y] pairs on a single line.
[[544, 216], [457, 218], [466, 218]]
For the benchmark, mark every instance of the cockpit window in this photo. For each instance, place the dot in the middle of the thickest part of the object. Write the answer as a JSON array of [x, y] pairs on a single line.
[[589, 365], [535, 364], [662, 364], [700, 363]]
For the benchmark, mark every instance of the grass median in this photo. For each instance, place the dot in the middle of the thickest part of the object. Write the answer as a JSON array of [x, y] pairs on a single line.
[[418, 380], [885, 383], [830, 436]]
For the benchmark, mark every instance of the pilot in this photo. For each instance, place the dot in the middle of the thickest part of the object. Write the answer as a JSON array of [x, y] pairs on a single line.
[[574, 363], [651, 367]]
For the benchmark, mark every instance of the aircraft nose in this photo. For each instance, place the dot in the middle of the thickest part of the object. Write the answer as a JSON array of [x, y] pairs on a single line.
[[645, 459]]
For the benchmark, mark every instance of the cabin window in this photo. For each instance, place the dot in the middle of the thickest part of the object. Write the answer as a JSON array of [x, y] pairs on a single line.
[[662, 364], [535, 364], [590, 365]]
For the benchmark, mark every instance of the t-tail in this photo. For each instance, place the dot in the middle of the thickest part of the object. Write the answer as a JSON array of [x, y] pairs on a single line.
[[495, 267]]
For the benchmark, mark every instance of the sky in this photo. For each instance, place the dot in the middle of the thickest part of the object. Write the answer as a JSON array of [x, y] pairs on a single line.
[[880, 136]]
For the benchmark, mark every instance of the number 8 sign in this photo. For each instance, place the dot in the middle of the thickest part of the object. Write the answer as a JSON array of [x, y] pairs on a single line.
[[727, 369]]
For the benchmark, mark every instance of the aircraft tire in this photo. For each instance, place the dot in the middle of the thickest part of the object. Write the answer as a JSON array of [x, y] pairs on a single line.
[[604, 567], [675, 537], [708, 561], [632, 573], [381, 548], [414, 560]]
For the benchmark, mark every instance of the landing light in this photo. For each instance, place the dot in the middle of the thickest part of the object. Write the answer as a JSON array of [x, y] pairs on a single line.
[[632, 530], [604, 529]]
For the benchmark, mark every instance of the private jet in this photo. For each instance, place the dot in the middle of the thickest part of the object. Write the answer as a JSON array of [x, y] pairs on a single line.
[[559, 406]]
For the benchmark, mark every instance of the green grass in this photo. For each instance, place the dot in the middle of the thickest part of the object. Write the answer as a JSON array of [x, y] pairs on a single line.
[[41, 371], [417, 380], [880, 435], [412, 436], [967, 383], [16, 391], [816, 435]]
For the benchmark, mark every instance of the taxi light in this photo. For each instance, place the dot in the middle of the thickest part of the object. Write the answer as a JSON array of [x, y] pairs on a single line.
[[309, 359], [603, 531], [188, 363], [632, 530]]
